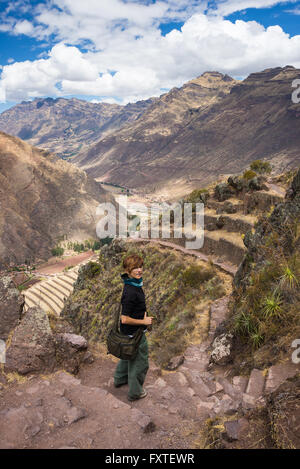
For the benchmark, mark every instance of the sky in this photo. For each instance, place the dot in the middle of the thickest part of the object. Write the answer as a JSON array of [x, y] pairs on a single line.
[[121, 51]]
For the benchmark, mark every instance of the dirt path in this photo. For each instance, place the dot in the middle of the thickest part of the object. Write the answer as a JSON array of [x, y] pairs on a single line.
[[226, 267], [277, 189]]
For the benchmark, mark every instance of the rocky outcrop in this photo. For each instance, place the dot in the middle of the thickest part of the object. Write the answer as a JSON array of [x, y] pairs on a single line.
[[35, 348], [11, 306], [283, 217]]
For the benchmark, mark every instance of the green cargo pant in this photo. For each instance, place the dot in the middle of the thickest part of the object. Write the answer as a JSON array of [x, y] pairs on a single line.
[[134, 371]]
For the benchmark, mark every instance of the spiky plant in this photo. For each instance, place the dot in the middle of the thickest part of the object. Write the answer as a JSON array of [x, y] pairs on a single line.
[[272, 306]]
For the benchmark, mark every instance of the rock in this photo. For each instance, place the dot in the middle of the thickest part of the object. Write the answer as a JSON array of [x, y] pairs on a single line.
[[240, 383], [88, 358], [229, 207], [220, 222], [32, 347], [181, 379], [223, 191], [11, 307], [19, 278], [160, 383], [20, 423], [175, 362], [70, 351], [222, 349], [76, 341], [74, 414], [143, 420], [278, 374], [234, 429], [256, 383], [227, 406], [249, 402]]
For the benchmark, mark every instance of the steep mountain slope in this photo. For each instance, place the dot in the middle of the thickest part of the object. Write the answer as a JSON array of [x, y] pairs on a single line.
[[220, 130], [42, 198], [135, 150], [64, 126]]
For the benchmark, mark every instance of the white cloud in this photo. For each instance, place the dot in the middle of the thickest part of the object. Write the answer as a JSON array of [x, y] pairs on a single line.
[[227, 7], [23, 27], [146, 64]]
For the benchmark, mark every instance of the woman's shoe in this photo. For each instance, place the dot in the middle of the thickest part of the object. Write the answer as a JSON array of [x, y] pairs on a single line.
[[141, 396], [119, 385]]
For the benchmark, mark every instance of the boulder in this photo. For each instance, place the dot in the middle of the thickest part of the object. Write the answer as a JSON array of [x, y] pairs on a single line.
[[11, 306], [222, 349], [70, 351], [32, 348]]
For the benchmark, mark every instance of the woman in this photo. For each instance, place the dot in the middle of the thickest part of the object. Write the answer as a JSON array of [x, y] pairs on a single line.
[[133, 316]]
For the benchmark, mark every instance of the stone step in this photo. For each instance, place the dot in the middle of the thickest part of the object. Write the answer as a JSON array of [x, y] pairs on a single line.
[[256, 383], [279, 373], [45, 303]]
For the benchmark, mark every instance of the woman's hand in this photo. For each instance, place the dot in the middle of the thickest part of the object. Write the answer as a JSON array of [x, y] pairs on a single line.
[[147, 319]]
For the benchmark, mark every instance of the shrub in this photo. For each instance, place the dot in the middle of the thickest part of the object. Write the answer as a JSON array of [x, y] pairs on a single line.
[[57, 251], [195, 275], [249, 174], [261, 167]]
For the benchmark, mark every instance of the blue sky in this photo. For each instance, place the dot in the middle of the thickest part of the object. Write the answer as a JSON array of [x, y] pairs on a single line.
[[122, 51]]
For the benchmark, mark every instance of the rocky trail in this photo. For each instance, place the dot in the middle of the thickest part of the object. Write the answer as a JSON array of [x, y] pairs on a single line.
[[59, 410]]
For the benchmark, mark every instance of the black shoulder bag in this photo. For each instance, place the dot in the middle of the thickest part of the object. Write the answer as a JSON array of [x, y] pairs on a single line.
[[120, 345]]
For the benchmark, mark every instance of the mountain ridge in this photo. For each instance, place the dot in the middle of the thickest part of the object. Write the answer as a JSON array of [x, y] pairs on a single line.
[[42, 199], [255, 119]]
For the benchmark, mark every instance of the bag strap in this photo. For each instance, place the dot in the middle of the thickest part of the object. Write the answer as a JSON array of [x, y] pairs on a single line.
[[117, 318]]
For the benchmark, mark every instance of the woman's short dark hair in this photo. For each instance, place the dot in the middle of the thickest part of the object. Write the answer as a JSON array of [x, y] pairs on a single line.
[[132, 262]]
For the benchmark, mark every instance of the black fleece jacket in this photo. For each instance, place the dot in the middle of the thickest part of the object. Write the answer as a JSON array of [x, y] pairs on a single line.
[[133, 305]]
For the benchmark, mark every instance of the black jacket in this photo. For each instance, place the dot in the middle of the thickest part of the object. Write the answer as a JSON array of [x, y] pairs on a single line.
[[133, 305]]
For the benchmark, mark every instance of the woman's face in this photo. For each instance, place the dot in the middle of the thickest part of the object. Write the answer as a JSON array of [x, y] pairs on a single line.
[[136, 273]]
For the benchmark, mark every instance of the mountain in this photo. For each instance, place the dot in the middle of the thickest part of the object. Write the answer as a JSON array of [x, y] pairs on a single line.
[[211, 126], [42, 199], [64, 126]]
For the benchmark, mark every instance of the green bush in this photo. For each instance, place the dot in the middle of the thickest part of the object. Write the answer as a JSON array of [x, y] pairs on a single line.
[[249, 174], [261, 167], [57, 251], [195, 275]]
